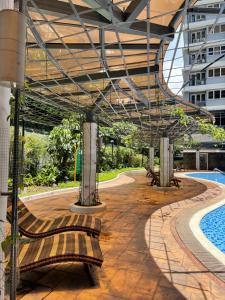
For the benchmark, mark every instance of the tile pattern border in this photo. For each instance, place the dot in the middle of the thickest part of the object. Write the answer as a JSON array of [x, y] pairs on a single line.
[[177, 252]]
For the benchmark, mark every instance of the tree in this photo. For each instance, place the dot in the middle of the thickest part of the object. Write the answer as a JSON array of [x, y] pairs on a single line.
[[36, 154], [63, 142], [121, 133]]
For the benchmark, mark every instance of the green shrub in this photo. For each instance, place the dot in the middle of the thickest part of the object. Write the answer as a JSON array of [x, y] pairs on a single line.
[[28, 180], [156, 160], [36, 154], [10, 181], [47, 175], [122, 157]]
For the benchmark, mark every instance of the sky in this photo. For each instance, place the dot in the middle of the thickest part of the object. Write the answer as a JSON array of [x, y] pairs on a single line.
[[176, 78]]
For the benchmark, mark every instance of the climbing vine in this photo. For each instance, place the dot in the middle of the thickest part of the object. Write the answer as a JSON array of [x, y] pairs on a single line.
[[216, 132]]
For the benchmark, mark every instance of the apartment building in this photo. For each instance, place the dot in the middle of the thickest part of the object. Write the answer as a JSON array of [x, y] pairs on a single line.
[[204, 57]]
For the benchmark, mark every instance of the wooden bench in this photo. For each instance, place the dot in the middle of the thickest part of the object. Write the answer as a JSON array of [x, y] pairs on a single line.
[[156, 179]]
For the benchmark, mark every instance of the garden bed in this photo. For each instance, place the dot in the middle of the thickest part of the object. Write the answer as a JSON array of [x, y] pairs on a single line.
[[32, 190]]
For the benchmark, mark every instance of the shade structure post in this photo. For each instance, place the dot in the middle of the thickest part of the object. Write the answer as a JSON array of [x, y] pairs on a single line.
[[151, 158], [15, 174], [171, 160], [197, 160], [12, 62], [164, 162], [88, 195], [4, 170], [5, 93]]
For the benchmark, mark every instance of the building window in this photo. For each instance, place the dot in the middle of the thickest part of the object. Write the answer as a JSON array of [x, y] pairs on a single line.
[[216, 72], [198, 36], [217, 120], [222, 120], [216, 50], [210, 73], [210, 95], [223, 94], [216, 29], [217, 94], [199, 98], [210, 51], [197, 79], [200, 17], [217, 5]]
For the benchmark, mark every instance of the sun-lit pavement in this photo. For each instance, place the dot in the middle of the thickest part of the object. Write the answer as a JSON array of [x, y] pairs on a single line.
[[130, 270]]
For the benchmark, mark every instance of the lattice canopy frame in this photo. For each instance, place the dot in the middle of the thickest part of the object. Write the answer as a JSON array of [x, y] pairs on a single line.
[[107, 57]]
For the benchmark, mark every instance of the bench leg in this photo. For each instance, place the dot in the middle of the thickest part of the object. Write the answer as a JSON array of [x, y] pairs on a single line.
[[89, 270], [93, 235]]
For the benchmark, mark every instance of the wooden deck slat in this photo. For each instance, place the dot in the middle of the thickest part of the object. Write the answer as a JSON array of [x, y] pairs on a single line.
[[63, 247], [33, 227]]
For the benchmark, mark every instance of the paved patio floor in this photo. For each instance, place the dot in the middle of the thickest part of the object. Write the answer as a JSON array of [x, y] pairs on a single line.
[[129, 270]]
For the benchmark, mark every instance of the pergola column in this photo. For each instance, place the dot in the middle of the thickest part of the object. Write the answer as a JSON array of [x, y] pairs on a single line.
[[4, 171], [88, 188], [171, 160], [151, 158], [164, 162], [197, 160], [5, 94]]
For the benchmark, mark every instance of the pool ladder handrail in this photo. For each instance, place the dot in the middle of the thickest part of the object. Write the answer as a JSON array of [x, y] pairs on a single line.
[[218, 170]]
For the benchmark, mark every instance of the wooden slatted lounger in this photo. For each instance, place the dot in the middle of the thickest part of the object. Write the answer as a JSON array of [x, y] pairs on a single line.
[[59, 248], [33, 227]]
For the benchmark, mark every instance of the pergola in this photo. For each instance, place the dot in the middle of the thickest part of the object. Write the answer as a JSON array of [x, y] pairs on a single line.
[[104, 57], [100, 58], [106, 60]]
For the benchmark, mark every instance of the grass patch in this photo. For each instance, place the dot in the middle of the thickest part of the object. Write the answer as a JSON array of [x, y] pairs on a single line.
[[32, 190], [114, 173]]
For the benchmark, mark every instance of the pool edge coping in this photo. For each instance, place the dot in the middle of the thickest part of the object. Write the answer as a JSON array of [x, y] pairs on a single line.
[[192, 242]]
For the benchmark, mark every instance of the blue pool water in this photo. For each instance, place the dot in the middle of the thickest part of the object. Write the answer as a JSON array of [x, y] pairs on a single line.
[[213, 223], [214, 176], [213, 226]]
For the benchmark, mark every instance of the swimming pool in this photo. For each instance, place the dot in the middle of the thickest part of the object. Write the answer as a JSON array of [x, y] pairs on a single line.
[[213, 226], [213, 223], [213, 176]]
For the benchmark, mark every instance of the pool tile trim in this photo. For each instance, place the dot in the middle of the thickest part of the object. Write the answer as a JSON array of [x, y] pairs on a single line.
[[174, 256], [187, 228]]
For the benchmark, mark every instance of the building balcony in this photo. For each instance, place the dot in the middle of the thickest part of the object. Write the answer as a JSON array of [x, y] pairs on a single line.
[[199, 61], [202, 103], [197, 82], [200, 40]]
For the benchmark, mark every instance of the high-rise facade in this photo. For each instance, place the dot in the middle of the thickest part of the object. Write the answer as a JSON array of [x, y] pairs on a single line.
[[204, 57]]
